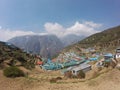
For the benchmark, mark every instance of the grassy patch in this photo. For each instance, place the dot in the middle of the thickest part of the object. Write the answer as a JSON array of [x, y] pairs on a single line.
[[13, 72]]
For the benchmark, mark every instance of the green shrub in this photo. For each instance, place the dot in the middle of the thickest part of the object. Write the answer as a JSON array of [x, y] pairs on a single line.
[[29, 65], [13, 72], [68, 74], [12, 62], [59, 78], [81, 74], [99, 68], [106, 64], [113, 64], [53, 80]]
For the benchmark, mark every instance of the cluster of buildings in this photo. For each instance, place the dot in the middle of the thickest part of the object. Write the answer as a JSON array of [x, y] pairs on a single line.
[[70, 61]]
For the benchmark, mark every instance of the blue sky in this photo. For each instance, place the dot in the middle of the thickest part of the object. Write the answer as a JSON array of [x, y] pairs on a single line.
[[33, 15]]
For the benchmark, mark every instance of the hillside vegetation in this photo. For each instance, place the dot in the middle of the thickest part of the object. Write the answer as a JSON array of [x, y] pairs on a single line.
[[13, 56], [108, 39]]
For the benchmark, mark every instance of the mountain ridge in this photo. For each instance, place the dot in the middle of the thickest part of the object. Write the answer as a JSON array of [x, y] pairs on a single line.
[[107, 39]]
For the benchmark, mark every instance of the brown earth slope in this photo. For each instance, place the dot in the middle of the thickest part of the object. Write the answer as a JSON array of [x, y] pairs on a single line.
[[106, 81]]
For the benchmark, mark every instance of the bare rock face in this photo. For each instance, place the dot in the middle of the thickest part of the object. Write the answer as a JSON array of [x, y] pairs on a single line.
[[45, 45]]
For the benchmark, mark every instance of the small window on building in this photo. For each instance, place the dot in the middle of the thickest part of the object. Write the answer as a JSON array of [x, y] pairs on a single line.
[[73, 71]]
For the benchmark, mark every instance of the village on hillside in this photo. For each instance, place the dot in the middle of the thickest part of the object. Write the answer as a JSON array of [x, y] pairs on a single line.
[[74, 63]]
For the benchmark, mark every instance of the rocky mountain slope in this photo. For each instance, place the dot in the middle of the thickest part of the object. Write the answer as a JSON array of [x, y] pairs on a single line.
[[45, 45]]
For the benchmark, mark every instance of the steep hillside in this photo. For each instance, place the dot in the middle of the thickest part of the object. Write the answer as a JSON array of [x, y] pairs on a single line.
[[108, 39], [13, 56], [45, 45]]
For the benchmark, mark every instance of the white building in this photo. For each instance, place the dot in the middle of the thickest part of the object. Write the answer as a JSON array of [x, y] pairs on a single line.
[[117, 55], [83, 67]]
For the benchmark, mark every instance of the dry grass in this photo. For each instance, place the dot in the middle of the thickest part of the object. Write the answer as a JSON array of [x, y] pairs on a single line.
[[39, 80]]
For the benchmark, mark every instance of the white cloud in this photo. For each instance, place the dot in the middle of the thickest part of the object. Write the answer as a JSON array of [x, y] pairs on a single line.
[[6, 34], [84, 29], [92, 24], [54, 28], [0, 27]]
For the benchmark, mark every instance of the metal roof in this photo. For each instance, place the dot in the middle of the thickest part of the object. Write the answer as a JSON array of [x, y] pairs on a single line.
[[80, 67], [108, 55]]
